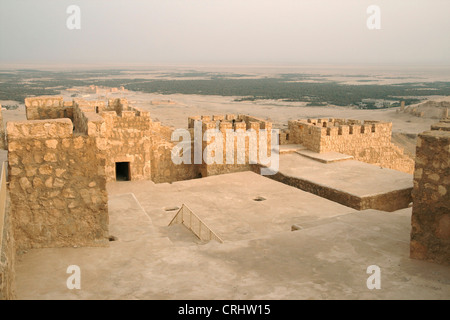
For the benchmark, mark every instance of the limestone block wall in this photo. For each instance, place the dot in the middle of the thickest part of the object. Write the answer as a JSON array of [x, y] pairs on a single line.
[[57, 184], [86, 120], [248, 148], [216, 169], [368, 141], [7, 261], [163, 169], [164, 131], [303, 132], [128, 137], [117, 105], [430, 234], [285, 137], [7, 245], [91, 106], [48, 107]]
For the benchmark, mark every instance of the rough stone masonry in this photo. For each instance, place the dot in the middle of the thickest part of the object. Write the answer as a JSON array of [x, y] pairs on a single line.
[[430, 234], [57, 185]]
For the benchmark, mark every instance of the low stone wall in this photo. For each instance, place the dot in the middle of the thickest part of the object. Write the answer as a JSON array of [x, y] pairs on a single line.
[[241, 135], [164, 169], [430, 234], [301, 132], [117, 105], [57, 185], [7, 246], [48, 107], [368, 141], [7, 262]]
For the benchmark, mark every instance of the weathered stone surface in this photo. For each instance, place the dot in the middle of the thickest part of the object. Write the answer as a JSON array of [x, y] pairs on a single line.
[[430, 234], [128, 138], [368, 141], [52, 143], [48, 107], [7, 259], [47, 129], [51, 169]]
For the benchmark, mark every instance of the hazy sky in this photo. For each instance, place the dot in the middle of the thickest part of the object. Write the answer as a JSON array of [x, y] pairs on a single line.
[[225, 31]]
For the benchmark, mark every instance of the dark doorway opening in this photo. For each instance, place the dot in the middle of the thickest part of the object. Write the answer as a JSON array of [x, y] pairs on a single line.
[[123, 171]]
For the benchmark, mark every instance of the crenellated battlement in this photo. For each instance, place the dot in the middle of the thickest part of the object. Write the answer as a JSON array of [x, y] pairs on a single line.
[[237, 122], [241, 139], [325, 135], [368, 140], [346, 126]]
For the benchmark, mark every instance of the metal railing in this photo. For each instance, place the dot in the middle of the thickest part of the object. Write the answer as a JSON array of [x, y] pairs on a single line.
[[191, 221]]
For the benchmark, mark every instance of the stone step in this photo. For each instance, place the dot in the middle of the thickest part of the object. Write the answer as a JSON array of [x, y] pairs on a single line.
[[327, 157], [291, 148]]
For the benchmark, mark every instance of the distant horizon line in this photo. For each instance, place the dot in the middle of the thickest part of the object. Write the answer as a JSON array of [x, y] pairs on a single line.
[[130, 66]]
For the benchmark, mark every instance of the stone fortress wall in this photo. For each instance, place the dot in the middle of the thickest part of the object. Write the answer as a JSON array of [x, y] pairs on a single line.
[[48, 107], [7, 244], [128, 139], [367, 141], [241, 135], [430, 234], [57, 185]]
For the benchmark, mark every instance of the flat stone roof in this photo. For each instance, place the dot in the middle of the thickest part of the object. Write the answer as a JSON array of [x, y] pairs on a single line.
[[227, 205], [351, 176]]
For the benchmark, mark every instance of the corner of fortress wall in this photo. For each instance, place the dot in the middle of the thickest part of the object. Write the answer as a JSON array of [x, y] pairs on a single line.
[[430, 234], [57, 185], [367, 141]]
